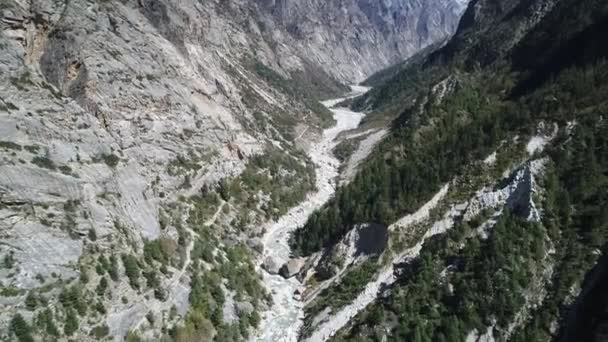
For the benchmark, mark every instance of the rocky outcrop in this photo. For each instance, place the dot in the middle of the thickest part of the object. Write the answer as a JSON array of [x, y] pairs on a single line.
[[292, 267], [361, 243], [271, 266], [489, 29]]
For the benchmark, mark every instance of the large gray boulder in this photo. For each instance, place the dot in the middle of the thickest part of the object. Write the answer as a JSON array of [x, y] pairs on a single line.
[[270, 265], [292, 267], [244, 308]]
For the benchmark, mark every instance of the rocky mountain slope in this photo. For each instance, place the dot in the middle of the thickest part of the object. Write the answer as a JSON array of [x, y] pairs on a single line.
[[491, 182], [146, 144], [383, 32]]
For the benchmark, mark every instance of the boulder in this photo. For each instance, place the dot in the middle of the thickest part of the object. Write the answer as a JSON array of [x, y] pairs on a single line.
[[256, 245], [270, 265], [292, 267], [244, 308]]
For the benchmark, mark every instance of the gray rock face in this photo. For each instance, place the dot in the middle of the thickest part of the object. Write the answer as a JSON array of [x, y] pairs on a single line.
[[361, 243], [509, 21], [292, 267], [244, 308], [383, 32], [271, 266]]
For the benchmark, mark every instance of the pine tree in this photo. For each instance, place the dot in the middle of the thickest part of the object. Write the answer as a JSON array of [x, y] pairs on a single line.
[[102, 286], [21, 329], [71, 322], [31, 301]]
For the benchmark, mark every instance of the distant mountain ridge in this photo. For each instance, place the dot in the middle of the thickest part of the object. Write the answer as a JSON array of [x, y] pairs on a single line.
[[384, 32]]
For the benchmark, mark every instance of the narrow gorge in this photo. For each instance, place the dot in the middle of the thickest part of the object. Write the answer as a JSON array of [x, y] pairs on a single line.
[[203, 171]]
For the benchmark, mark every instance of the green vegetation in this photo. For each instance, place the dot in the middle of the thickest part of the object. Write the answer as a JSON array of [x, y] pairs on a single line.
[[71, 323], [240, 272], [160, 250], [44, 162], [184, 164], [203, 249], [92, 235], [113, 268], [205, 206], [32, 148], [285, 178], [73, 298], [9, 260], [111, 160], [576, 209], [10, 291], [412, 164], [9, 145], [23, 82], [342, 293], [102, 286], [131, 269], [345, 149], [237, 272], [66, 170], [99, 332], [21, 329], [31, 301], [461, 282], [46, 323], [487, 283]]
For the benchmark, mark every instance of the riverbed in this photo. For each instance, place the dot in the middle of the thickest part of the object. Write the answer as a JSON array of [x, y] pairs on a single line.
[[284, 319]]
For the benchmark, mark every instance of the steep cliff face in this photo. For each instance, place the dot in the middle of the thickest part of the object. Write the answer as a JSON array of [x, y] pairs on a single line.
[[382, 32], [489, 29], [132, 136]]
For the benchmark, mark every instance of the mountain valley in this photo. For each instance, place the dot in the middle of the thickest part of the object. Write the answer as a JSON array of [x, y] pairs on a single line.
[[281, 170]]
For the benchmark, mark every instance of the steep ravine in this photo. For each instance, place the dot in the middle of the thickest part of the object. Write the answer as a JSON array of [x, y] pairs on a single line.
[[284, 319]]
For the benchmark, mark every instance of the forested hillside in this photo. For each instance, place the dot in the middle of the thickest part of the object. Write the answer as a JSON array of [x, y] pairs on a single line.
[[514, 71]]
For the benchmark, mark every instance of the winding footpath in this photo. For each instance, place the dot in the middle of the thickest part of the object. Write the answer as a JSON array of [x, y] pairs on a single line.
[[284, 319]]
